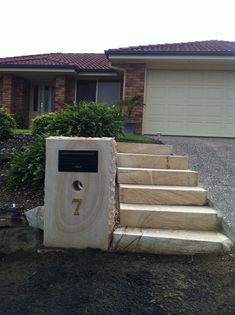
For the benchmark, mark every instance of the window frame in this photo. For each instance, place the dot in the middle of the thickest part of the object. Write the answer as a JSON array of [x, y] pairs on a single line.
[[97, 86]]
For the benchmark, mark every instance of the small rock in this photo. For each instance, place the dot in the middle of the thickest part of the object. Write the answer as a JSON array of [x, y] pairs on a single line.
[[21, 238]]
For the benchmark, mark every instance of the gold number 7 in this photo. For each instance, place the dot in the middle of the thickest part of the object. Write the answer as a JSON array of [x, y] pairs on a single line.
[[78, 201]]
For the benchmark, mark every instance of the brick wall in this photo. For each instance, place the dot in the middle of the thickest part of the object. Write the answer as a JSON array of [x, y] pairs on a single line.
[[59, 92], [7, 91], [14, 95], [70, 91], [21, 94], [134, 85], [21, 100]]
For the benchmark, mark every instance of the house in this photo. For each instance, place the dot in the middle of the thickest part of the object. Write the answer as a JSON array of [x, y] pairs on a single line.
[[38, 84], [186, 88]]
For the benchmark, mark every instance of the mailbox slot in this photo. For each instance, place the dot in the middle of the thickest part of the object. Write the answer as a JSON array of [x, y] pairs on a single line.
[[78, 161]]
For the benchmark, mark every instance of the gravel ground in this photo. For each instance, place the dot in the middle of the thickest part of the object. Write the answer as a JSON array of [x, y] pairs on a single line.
[[214, 160]]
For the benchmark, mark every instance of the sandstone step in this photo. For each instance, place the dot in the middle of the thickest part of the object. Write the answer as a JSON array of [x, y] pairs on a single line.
[[162, 195], [168, 217], [152, 161], [175, 242], [147, 176], [126, 147]]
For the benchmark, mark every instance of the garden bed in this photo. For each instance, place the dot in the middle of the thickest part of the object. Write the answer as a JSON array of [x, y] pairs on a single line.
[[22, 198]]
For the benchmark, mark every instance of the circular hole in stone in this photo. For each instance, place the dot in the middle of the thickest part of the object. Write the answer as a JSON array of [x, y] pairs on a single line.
[[77, 185]]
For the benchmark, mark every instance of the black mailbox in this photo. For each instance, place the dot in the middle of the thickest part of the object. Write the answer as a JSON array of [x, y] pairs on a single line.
[[78, 161]]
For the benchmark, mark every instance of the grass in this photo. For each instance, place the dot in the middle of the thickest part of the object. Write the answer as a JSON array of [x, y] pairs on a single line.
[[21, 131], [136, 138]]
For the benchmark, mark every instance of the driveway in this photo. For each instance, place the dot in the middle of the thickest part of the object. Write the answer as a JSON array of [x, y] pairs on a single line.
[[214, 159]]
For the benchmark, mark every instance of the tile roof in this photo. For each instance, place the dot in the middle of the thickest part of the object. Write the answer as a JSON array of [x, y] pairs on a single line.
[[210, 47], [80, 62]]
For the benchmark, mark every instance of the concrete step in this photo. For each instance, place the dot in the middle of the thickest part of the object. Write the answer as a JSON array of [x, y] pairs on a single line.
[[162, 195], [175, 242], [126, 147], [147, 176], [168, 217], [152, 161]]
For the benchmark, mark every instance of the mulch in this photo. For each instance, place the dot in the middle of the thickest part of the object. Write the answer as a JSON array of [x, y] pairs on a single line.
[[21, 198]]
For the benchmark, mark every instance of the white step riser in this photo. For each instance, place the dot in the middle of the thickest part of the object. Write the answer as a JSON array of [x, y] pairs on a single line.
[[151, 161], [168, 220], [157, 177], [162, 196], [144, 148], [161, 243]]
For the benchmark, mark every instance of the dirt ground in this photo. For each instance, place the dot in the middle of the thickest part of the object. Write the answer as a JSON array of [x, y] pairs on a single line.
[[92, 282], [24, 198]]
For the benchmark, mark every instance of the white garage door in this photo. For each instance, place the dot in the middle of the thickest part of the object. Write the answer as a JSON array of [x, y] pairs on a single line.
[[196, 103]]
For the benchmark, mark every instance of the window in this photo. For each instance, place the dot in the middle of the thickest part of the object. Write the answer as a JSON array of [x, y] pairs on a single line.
[[46, 98], [108, 92], [98, 91], [86, 90]]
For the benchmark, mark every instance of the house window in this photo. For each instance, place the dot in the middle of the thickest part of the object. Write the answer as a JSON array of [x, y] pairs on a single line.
[[108, 92], [98, 91], [86, 90], [46, 98]]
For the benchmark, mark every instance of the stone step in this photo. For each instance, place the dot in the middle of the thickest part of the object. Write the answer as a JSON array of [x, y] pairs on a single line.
[[152, 161], [162, 195], [168, 217], [177, 242], [147, 176], [126, 147]]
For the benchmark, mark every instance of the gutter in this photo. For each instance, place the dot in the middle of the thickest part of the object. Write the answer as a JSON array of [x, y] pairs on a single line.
[[50, 68], [110, 53], [170, 57], [124, 76]]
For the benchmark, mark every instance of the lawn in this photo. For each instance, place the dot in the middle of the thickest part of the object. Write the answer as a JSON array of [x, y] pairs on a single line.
[[21, 131], [136, 138]]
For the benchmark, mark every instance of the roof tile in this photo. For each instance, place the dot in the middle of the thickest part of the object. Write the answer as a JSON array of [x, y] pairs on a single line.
[[87, 61], [211, 47]]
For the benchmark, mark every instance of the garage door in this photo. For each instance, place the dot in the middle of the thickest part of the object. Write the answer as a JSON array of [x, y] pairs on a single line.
[[193, 103]]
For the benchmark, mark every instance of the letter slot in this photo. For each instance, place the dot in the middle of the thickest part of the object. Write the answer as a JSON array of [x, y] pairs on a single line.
[[78, 161]]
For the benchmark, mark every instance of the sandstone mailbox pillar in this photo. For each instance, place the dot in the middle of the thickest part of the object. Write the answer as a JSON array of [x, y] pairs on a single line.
[[79, 192]]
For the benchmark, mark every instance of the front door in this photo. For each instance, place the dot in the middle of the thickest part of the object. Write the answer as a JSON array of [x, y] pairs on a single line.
[[42, 99]]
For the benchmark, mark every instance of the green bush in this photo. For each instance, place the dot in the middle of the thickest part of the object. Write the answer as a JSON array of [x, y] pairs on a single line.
[[7, 124], [40, 124], [28, 164], [85, 119]]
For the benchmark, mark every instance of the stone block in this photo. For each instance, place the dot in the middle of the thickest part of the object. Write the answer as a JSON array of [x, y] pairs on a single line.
[[152, 161], [178, 242], [147, 176], [80, 206], [144, 148], [162, 195]]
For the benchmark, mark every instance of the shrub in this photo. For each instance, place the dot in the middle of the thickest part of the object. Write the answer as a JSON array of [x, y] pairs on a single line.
[[85, 119], [7, 124], [40, 124], [28, 164], [98, 120]]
